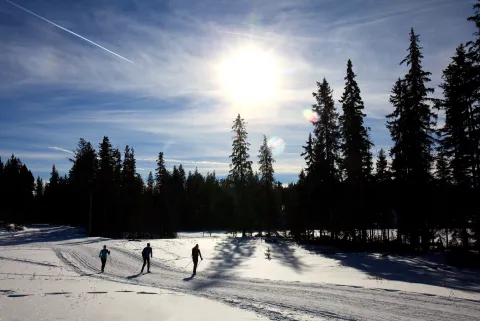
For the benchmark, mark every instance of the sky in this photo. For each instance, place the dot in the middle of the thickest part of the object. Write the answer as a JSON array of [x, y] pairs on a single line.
[[171, 76]]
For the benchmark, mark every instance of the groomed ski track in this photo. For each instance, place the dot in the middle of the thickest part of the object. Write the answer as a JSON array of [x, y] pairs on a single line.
[[273, 299]]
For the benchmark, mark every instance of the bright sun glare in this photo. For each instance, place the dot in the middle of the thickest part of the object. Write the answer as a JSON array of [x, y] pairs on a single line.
[[249, 76]]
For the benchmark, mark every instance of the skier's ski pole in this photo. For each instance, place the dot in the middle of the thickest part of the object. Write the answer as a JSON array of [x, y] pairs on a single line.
[[188, 264]]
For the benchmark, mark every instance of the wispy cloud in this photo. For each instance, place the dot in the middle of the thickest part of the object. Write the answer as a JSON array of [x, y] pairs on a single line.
[[62, 150], [69, 31], [172, 99]]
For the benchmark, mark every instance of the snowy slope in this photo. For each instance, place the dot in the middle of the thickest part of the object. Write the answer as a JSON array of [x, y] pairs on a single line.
[[229, 275], [289, 262]]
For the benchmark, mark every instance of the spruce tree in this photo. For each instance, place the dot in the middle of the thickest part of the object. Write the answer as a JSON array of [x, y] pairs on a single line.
[[54, 177], [161, 173], [397, 125], [309, 154], [105, 186], [150, 183], [420, 119], [268, 205], [241, 166], [265, 160], [458, 141], [382, 171], [356, 145], [240, 174], [82, 180], [442, 170], [327, 133], [39, 188], [474, 56], [412, 127]]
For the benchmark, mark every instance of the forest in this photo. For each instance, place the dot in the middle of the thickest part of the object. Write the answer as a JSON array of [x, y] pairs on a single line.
[[425, 197]]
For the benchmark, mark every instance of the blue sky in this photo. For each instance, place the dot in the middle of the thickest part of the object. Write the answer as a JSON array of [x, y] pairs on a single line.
[[56, 87]]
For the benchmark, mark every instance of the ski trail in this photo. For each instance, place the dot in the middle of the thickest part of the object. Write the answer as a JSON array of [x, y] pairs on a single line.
[[284, 301]]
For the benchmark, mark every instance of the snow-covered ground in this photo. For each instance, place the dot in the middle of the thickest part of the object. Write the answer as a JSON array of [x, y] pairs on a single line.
[[51, 273], [289, 262]]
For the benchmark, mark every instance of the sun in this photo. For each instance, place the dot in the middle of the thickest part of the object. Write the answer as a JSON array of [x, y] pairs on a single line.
[[249, 75]]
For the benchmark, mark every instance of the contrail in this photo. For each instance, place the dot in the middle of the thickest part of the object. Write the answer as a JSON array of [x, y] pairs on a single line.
[[65, 29]]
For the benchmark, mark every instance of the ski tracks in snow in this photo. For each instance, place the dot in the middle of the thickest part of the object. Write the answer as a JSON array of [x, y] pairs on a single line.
[[286, 301]]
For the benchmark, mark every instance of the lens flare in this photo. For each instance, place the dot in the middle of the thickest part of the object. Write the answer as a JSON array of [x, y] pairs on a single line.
[[276, 144], [310, 115]]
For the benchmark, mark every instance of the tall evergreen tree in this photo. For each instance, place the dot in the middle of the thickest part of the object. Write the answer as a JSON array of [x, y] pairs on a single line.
[[241, 166], [382, 170], [357, 157], [474, 55], [458, 139], [268, 204], [397, 125], [82, 179], [419, 116], [442, 170], [54, 176], [105, 188], [39, 188], [150, 183], [309, 154], [327, 133], [412, 127], [161, 173], [240, 174], [265, 160]]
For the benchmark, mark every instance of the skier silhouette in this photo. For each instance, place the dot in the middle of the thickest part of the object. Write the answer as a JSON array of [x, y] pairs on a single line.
[[195, 253], [146, 254], [103, 256]]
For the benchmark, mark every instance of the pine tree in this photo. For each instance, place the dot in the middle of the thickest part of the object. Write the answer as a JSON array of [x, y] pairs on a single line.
[[241, 166], [268, 204], [357, 158], [420, 119], [309, 154], [39, 188], [150, 183], [398, 129], [54, 176], [240, 174], [412, 127], [327, 133], [382, 171], [82, 180], [266, 164], [105, 188], [474, 56], [442, 170], [458, 140], [161, 173]]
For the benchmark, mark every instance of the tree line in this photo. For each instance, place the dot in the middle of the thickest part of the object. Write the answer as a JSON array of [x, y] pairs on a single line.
[[428, 190]]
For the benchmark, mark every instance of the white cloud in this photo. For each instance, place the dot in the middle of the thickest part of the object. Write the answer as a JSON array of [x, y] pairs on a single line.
[[32, 155], [62, 150], [175, 62]]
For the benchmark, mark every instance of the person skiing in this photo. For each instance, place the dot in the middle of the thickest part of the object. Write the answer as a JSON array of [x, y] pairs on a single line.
[[195, 253], [103, 256], [146, 254]]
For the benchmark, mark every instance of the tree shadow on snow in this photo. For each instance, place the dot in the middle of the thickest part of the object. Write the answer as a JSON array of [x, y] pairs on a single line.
[[231, 253], [412, 269], [284, 251]]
